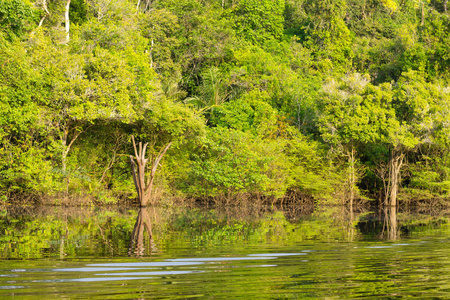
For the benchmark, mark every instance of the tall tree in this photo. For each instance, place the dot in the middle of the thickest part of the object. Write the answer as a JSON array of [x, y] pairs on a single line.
[[420, 108], [350, 116]]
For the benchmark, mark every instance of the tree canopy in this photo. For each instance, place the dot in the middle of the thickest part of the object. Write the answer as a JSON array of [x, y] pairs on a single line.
[[336, 101]]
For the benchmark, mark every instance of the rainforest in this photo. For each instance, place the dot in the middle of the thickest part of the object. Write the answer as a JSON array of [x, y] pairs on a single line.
[[340, 102]]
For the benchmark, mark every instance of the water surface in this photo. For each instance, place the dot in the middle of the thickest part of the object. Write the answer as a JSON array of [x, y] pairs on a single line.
[[247, 253]]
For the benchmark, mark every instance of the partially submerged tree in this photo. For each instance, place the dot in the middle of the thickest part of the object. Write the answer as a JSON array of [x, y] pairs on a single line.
[[143, 187], [164, 124]]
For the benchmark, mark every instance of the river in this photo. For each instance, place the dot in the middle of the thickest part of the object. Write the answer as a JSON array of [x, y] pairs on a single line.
[[223, 253]]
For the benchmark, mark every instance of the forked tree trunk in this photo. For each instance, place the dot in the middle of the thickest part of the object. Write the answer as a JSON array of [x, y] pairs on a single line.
[[143, 188]]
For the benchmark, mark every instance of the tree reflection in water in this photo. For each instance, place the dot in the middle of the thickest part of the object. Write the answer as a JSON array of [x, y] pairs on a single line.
[[138, 244], [390, 222], [384, 224]]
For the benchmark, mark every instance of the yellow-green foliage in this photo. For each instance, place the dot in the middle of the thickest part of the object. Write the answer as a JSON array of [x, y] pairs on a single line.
[[255, 97]]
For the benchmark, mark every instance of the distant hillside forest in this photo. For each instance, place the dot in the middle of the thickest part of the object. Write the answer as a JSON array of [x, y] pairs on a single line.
[[334, 101]]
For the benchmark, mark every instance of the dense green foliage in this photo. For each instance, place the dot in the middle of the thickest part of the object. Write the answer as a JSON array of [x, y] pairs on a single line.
[[331, 100]]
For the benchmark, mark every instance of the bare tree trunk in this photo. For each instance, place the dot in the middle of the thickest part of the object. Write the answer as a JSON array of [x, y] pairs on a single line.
[[364, 11], [67, 20], [144, 189], [148, 3], [395, 164], [445, 6], [352, 177]]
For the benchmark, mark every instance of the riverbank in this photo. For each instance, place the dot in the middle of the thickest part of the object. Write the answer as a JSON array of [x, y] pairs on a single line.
[[236, 200]]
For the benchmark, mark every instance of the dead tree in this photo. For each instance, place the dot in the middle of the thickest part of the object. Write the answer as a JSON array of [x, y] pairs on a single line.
[[143, 188]]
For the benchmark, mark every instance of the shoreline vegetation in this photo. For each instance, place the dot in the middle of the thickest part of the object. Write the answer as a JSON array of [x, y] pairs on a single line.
[[235, 102], [234, 201]]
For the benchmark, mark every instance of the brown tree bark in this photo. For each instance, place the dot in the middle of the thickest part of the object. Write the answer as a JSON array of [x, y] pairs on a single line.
[[143, 188], [395, 165]]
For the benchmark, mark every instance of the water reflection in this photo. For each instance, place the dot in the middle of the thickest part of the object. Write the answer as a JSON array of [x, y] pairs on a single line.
[[65, 233], [296, 252], [138, 244], [391, 222], [383, 224]]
